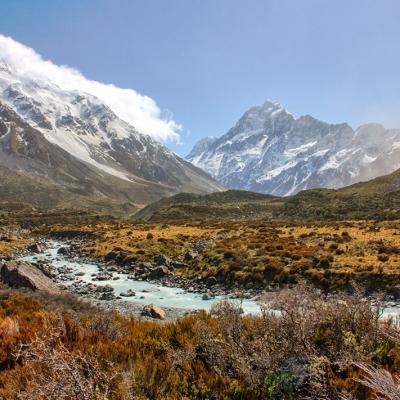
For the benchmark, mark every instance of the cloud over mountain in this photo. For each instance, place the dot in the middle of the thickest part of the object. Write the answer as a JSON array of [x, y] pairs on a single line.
[[139, 110]]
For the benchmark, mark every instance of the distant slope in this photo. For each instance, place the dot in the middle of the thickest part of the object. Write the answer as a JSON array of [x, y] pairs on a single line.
[[185, 207], [377, 199]]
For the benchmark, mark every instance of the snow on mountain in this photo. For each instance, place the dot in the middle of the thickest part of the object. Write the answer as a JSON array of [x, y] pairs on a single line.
[[271, 151], [87, 130]]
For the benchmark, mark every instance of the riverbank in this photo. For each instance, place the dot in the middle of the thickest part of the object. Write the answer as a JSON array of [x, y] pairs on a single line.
[[109, 286]]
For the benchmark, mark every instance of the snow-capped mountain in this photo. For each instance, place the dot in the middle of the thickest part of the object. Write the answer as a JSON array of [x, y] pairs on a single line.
[[45, 130], [271, 151]]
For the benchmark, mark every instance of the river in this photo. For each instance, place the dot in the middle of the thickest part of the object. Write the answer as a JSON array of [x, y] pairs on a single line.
[[146, 292]]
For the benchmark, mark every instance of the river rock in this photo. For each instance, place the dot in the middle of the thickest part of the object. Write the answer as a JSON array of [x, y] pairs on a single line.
[[207, 296], [24, 274], [159, 271], [150, 290], [144, 266], [63, 250], [104, 289], [35, 248], [102, 276], [128, 293], [211, 281], [160, 259], [153, 311], [48, 270], [107, 296]]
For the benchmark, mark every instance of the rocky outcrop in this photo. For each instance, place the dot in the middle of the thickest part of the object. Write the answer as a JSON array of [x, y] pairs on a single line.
[[25, 275]]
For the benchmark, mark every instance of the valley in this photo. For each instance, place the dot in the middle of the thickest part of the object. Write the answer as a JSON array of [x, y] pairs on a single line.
[[211, 261], [264, 265], [216, 308]]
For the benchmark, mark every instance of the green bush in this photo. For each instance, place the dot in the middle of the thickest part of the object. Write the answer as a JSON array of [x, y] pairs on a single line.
[[279, 385]]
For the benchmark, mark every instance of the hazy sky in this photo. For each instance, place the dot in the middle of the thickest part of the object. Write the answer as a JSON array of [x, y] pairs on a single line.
[[207, 61]]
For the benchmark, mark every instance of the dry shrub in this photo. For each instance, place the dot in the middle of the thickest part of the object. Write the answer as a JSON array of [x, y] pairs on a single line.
[[52, 371], [385, 385], [308, 343], [303, 345]]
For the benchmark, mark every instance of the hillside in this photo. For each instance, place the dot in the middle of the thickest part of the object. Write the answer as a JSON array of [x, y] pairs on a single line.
[[229, 204], [80, 153], [376, 199]]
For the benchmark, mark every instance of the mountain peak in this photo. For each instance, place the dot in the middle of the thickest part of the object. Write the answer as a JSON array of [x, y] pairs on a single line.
[[74, 140], [270, 151]]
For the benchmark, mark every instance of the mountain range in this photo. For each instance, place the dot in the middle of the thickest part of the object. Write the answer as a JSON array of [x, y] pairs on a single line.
[[271, 151], [70, 149], [65, 148]]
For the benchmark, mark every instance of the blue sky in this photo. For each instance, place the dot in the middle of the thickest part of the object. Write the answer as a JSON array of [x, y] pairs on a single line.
[[207, 61]]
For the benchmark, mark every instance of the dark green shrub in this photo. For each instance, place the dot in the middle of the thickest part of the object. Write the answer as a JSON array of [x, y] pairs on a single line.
[[279, 385]]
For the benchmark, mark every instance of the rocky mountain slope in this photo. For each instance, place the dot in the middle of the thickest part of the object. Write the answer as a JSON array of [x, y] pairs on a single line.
[[75, 144], [270, 151]]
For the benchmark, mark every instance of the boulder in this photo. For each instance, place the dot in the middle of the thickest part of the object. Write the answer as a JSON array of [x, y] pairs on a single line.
[[35, 248], [153, 311], [160, 259], [107, 296], [207, 296], [24, 274], [151, 290], [145, 266], [112, 255], [63, 250], [394, 291], [189, 256], [159, 271], [104, 289], [128, 293], [211, 281], [47, 269], [102, 276], [178, 264]]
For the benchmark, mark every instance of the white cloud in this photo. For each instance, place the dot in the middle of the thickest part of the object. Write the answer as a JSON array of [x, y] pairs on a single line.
[[141, 111]]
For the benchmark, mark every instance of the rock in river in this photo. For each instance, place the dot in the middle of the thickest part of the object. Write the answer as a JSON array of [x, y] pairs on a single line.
[[63, 250], [128, 293], [35, 248]]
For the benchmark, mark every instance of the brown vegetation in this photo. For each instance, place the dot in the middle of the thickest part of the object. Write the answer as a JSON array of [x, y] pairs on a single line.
[[314, 348], [258, 253]]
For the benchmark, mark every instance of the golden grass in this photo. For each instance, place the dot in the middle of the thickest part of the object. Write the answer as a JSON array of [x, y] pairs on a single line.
[[360, 252], [12, 243], [154, 239], [261, 252]]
